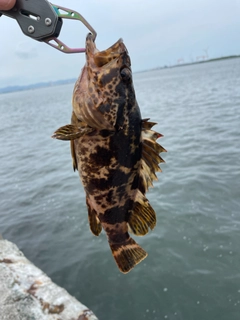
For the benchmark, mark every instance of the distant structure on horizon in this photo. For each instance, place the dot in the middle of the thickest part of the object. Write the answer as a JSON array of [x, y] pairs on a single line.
[[204, 57], [180, 60]]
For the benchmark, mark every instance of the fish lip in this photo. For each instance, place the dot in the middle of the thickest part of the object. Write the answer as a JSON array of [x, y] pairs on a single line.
[[90, 44], [89, 37]]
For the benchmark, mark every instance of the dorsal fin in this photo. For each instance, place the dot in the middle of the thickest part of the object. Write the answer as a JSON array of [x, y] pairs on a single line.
[[143, 216], [147, 124], [150, 156]]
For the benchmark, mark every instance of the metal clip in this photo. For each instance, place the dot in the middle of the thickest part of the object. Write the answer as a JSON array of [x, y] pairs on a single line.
[[42, 21], [36, 18], [68, 14]]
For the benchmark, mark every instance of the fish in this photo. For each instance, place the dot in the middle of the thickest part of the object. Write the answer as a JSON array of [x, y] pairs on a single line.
[[114, 150]]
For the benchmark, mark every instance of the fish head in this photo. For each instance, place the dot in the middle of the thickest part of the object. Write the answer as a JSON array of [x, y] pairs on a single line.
[[105, 83], [110, 66]]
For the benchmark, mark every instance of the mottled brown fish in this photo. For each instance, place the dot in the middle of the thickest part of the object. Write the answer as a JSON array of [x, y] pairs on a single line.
[[114, 150]]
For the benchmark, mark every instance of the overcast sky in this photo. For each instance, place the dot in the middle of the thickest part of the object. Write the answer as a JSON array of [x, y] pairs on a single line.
[[156, 33]]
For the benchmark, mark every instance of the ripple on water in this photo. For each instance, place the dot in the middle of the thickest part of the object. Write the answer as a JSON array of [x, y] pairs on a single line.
[[192, 270]]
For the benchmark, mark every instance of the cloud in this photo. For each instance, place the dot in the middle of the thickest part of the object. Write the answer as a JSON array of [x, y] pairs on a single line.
[[155, 32]]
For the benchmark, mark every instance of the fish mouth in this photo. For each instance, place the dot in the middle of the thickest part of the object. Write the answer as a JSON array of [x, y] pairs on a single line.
[[106, 58]]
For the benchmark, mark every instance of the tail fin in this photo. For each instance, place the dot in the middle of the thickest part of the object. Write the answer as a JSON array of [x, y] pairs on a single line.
[[127, 254]]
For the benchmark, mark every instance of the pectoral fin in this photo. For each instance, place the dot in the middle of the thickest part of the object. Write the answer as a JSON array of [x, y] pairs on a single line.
[[94, 223], [71, 132], [74, 158]]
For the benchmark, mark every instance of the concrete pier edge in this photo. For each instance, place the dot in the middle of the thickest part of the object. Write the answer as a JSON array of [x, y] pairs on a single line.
[[26, 292]]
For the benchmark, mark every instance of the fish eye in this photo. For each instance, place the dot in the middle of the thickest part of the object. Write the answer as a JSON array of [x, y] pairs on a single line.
[[126, 74]]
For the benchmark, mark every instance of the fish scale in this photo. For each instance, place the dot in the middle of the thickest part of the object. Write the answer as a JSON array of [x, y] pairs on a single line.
[[114, 150]]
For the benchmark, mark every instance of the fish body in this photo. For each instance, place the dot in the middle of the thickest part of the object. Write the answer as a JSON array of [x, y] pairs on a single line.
[[114, 150]]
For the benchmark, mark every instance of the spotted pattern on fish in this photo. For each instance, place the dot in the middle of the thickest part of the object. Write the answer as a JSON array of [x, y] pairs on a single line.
[[114, 150]]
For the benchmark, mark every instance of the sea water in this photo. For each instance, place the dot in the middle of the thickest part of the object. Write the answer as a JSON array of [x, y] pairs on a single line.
[[192, 271]]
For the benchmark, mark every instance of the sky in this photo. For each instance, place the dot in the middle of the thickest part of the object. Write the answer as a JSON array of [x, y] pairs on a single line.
[[156, 32]]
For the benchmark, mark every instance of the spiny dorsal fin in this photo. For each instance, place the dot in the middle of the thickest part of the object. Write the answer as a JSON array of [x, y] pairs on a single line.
[[152, 152], [150, 156], [154, 145], [142, 216], [151, 162], [146, 176], [147, 124], [94, 223]]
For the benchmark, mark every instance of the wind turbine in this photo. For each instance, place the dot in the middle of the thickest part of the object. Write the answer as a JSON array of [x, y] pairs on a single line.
[[206, 52]]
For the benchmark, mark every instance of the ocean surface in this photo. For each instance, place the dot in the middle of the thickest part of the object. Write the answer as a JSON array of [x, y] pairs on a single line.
[[192, 271]]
